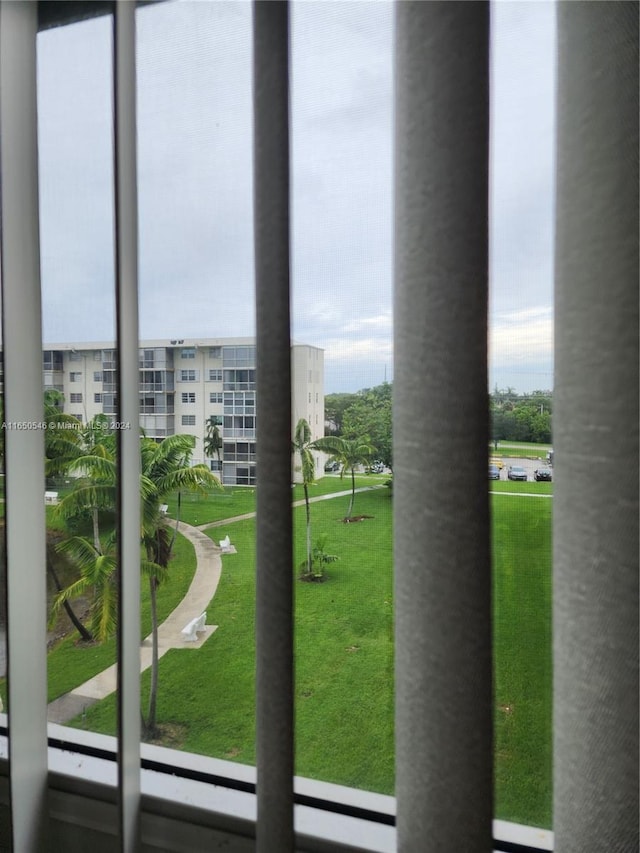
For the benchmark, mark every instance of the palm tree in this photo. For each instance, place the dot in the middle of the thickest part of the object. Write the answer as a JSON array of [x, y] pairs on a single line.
[[93, 458], [212, 439], [348, 452], [97, 577], [302, 445], [165, 469]]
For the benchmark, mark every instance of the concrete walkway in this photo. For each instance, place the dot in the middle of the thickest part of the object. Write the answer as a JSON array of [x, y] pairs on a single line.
[[202, 589]]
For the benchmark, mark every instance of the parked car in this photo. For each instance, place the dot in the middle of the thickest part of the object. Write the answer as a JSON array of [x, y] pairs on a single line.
[[377, 467], [495, 460], [494, 473], [544, 475], [331, 467], [516, 473]]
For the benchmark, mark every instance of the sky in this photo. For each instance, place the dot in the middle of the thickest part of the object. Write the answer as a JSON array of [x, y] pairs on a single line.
[[195, 182]]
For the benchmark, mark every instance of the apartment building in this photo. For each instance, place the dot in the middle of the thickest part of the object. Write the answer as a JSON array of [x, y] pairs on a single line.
[[183, 383]]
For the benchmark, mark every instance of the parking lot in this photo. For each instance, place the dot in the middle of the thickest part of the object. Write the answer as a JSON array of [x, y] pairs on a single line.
[[529, 465]]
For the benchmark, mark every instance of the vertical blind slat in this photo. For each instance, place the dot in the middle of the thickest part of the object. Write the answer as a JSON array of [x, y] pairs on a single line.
[[274, 621], [596, 431], [24, 448], [441, 529], [128, 439]]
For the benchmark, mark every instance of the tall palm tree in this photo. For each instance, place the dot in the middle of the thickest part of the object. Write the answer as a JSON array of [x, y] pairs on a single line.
[[303, 445], [348, 452], [212, 439], [166, 469]]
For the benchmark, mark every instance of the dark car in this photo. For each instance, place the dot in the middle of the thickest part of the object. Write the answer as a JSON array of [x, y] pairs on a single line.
[[543, 475], [331, 467], [494, 472], [517, 473]]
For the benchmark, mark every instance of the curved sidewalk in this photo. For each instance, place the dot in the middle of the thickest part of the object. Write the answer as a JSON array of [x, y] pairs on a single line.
[[199, 595]]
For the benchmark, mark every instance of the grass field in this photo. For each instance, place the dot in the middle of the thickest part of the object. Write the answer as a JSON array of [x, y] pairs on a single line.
[[344, 657], [216, 505], [520, 448]]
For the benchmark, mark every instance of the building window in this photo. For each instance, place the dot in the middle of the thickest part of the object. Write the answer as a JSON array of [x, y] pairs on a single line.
[[215, 376], [215, 397], [215, 352], [75, 377], [97, 376], [75, 356], [188, 397], [188, 375], [215, 465], [188, 352], [97, 398], [188, 420], [51, 360], [75, 398]]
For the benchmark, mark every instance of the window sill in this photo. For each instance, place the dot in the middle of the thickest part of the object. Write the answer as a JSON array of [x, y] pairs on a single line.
[[210, 795]]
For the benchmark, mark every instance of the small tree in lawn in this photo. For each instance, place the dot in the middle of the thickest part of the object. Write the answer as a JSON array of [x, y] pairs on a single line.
[[302, 445], [348, 453]]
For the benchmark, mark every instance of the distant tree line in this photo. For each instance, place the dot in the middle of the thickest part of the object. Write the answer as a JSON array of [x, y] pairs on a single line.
[[521, 417], [366, 415]]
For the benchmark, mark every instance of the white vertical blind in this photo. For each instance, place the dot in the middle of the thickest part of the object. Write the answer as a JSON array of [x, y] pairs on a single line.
[[274, 579], [24, 447], [126, 246], [442, 596], [595, 626]]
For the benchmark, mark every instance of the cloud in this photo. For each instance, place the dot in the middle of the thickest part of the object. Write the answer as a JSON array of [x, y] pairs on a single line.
[[522, 337]]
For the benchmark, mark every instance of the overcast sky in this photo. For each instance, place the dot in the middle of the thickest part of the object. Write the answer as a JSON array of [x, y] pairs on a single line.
[[195, 182]]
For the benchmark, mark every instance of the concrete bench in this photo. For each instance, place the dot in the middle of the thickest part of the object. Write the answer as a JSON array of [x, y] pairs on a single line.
[[190, 630], [51, 498]]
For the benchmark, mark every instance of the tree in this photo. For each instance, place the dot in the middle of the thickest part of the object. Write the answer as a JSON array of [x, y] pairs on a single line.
[[348, 452], [213, 439], [370, 417], [165, 469], [302, 445], [335, 406]]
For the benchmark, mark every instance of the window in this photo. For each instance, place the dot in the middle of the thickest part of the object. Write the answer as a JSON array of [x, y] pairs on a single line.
[[188, 352], [188, 375], [97, 376], [188, 397], [97, 398], [215, 397], [75, 398], [453, 627], [97, 355], [188, 420], [215, 352], [52, 360], [75, 356], [75, 377], [215, 376]]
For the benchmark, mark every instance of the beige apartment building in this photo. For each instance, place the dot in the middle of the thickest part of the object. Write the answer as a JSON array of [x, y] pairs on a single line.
[[183, 382]]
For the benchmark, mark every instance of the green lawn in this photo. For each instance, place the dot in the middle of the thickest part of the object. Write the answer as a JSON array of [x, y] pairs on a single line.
[[344, 657], [523, 673], [520, 448], [217, 505], [517, 487]]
